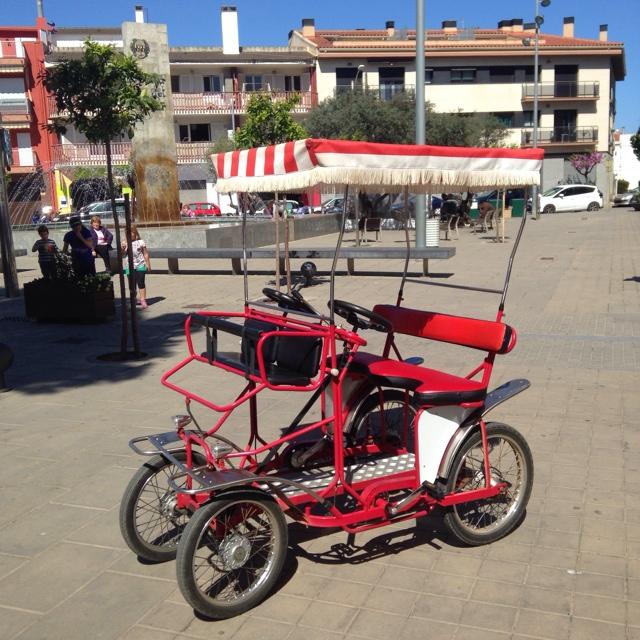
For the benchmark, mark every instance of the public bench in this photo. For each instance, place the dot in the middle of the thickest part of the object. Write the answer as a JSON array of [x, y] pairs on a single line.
[[351, 254]]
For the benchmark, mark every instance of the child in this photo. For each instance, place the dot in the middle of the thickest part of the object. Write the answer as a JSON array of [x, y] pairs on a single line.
[[47, 250], [141, 262]]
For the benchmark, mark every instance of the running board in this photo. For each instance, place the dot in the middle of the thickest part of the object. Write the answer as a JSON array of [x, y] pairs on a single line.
[[319, 478], [503, 393]]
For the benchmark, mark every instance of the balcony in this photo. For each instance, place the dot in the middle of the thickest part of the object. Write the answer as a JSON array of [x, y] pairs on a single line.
[[561, 91], [87, 154], [561, 136], [384, 91], [223, 103], [11, 59], [14, 112]]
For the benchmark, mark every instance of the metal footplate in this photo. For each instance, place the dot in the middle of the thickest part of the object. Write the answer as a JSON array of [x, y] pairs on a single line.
[[320, 478]]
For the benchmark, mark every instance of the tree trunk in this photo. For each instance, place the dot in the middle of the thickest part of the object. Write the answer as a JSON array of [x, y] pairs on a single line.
[[132, 280], [124, 329]]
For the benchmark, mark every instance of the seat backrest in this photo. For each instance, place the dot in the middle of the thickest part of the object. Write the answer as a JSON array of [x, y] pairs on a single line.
[[299, 354], [485, 335], [251, 334]]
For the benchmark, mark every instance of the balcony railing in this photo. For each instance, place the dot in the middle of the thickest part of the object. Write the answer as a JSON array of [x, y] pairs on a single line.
[[89, 154], [561, 136], [385, 91], [226, 102], [562, 90]]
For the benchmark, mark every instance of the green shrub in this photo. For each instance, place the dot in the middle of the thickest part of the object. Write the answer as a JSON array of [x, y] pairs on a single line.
[[623, 186]]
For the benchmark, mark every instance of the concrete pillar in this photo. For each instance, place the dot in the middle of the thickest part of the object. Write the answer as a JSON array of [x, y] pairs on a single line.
[[153, 154]]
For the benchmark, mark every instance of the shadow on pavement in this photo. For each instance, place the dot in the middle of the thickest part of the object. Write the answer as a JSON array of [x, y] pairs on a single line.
[[53, 357]]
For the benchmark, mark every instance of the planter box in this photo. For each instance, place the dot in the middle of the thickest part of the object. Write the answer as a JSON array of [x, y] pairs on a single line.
[[59, 301]]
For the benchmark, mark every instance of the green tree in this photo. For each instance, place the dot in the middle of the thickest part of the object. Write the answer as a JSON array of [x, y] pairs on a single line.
[[635, 143], [269, 122], [103, 94], [362, 115]]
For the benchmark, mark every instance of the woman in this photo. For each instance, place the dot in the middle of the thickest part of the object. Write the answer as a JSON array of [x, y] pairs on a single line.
[[102, 239], [83, 255], [141, 262]]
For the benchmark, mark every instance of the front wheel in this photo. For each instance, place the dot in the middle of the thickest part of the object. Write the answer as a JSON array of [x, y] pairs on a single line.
[[231, 554], [549, 209], [150, 522], [510, 461], [593, 206]]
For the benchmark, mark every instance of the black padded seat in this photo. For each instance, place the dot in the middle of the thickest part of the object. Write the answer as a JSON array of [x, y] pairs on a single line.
[[430, 387]]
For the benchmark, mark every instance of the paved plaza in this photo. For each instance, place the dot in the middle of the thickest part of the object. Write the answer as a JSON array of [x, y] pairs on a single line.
[[570, 571]]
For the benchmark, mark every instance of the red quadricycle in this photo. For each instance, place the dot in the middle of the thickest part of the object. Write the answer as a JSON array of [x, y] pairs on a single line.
[[394, 439]]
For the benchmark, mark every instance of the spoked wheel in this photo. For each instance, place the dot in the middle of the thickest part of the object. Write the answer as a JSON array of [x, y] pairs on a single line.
[[231, 554], [150, 522], [549, 209], [373, 418], [593, 206], [510, 461]]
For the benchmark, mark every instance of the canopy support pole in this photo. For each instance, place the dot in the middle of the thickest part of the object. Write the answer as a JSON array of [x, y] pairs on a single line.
[[245, 276], [405, 197], [335, 256], [276, 218], [421, 224], [513, 255]]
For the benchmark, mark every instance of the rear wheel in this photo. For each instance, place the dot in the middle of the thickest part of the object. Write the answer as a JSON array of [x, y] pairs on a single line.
[[484, 521], [150, 522], [375, 419], [593, 206], [549, 208], [231, 554]]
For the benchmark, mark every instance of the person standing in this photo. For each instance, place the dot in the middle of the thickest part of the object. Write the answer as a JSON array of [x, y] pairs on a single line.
[[141, 263], [102, 239], [83, 254], [47, 250]]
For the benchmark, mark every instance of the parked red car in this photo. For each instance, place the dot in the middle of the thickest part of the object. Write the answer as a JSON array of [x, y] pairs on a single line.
[[204, 209]]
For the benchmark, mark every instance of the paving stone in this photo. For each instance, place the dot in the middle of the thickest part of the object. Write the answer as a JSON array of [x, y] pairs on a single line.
[[577, 552]]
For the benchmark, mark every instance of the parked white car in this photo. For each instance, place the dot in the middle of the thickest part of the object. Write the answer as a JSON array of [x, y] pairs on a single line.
[[570, 197]]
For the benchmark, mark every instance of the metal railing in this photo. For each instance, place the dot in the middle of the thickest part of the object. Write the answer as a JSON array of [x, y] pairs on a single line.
[[14, 107], [385, 91], [562, 89], [226, 102], [561, 135], [90, 154]]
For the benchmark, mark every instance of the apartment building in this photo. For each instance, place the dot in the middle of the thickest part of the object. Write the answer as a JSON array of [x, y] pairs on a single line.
[[210, 90], [23, 112], [489, 71]]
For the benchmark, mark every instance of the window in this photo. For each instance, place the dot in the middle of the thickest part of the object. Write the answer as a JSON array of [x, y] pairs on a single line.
[[463, 75], [504, 117], [212, 84], [253, 83], [345, 78], [502, 74], [527, 118], [529, 75], [292, 83], [428, 76], [175, 84], [194, 132]]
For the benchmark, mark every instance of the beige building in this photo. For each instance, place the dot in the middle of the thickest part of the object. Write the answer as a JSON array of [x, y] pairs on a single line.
[[489, 71]]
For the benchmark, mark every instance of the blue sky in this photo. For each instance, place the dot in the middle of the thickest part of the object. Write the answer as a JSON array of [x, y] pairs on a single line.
[[267, 22]]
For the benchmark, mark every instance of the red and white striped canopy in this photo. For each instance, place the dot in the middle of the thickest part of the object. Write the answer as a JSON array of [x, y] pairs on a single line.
[[294, 166]]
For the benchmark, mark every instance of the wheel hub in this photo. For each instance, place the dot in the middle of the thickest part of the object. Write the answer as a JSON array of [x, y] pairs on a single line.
[[234, 551], [169, 505]]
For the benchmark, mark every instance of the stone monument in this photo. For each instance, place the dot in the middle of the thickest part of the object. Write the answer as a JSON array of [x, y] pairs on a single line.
[[153, 154]]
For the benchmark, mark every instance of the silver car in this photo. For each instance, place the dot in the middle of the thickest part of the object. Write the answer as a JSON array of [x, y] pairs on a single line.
[[624, 199]]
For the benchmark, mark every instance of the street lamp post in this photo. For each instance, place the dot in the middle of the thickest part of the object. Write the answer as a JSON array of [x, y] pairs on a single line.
[[538, 21], [358, 72]]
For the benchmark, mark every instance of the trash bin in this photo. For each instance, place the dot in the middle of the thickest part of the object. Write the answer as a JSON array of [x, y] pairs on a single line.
[[433, 232]]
